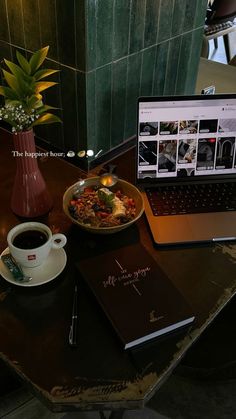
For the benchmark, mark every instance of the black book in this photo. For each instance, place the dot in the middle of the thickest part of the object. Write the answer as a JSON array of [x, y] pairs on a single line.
[[136, 295]]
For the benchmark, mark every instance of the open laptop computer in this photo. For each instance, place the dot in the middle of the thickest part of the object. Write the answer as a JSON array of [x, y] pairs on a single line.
[[186, 167]]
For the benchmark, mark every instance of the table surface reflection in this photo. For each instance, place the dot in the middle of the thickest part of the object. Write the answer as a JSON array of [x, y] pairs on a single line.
[[34, 322]]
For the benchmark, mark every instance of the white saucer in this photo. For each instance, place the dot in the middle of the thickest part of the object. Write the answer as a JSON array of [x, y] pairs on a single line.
[[42, 274]]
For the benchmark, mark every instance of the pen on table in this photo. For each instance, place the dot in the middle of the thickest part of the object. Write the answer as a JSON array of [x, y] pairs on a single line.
[[74, 318]]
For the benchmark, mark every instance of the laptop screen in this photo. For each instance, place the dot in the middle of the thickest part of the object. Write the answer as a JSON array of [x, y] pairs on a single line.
[[182, 137]]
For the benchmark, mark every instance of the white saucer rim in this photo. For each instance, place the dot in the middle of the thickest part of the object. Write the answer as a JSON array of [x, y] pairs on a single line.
[[32, 284]]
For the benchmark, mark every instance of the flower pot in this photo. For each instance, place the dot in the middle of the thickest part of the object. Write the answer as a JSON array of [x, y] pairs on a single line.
[[30, 197]]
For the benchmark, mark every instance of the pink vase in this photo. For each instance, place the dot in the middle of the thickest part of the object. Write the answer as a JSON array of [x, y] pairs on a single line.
[[30, 197]]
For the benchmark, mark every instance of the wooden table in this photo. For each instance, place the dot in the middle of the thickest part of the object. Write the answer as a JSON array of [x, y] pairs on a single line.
[[98, 374], [222, 76]]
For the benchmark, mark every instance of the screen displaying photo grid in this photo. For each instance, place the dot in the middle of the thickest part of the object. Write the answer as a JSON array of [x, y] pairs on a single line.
[[180, 139]]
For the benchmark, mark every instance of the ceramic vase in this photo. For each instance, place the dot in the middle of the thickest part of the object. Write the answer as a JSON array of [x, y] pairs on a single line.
[[30, 197]]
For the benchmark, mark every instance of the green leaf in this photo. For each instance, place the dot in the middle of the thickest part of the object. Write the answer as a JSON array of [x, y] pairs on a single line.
[[44, 73], [13, 102], [107, 196], [15, 69], [19, 85], [45, 108], [43, 85], [47, 118], [23, 86], [39, 96], [38, 58], [8, 93], [34, 102], [23, 63], [20, 74], [12, 81]]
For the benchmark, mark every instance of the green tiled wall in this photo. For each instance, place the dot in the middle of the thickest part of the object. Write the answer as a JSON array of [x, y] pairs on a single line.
[[109, 52]]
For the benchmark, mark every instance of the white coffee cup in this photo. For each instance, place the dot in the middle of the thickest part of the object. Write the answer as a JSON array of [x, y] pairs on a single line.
[[33, 257]]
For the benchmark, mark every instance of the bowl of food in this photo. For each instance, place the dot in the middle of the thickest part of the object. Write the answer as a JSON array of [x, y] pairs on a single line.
[[102, 210]]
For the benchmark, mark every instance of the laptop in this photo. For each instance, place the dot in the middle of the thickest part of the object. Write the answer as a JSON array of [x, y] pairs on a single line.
[[186, 167]]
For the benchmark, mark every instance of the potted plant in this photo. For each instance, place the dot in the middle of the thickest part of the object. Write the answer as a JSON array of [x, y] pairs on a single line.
[[23, 109]]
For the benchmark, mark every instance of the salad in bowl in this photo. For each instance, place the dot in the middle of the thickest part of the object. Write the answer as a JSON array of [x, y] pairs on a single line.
[[103, 210]]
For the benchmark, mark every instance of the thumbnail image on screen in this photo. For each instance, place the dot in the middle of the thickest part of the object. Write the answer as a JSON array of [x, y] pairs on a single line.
[[208, 125], [225, 152], [206, 153], [188, 127], [185, 172], [147, 153], [148, 128], [147, 174], [167, 156], [227, 125], [187, 151], [168, 127]]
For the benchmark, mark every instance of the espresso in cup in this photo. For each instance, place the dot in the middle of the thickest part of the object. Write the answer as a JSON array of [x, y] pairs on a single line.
[[30, 239], [30, 243]]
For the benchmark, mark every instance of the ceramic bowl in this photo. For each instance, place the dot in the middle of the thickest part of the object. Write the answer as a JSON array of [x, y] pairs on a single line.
[[125, 187]]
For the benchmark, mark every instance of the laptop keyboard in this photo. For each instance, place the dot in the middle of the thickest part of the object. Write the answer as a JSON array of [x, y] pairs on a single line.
[[194, 198]]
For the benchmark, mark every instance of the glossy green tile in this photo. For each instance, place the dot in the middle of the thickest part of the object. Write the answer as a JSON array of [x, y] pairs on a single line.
[[132, 94], [98, 101], [194, 61], [91, 110], [4, 31], [160, 68], [119, 73], [80, 34], [172, 66], [137, 25], [200, 13], [15, 17], [90, 35], [121, 28], [147, 72], [31, 25], [103, 107], [189, 14], [53, 94], [184, 59], [178, 17], [104, 31], [5, 51], [151, 22], [69, 107], [53, 134], [82, 114], [48, 27], [65, 15], [165, 20]]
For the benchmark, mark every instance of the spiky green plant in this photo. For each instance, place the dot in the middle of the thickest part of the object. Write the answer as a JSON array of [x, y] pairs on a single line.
[[24, 107]]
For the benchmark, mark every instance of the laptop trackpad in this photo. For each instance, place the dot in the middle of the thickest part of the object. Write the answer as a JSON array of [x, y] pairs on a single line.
[[214, 226], [193, 227]]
